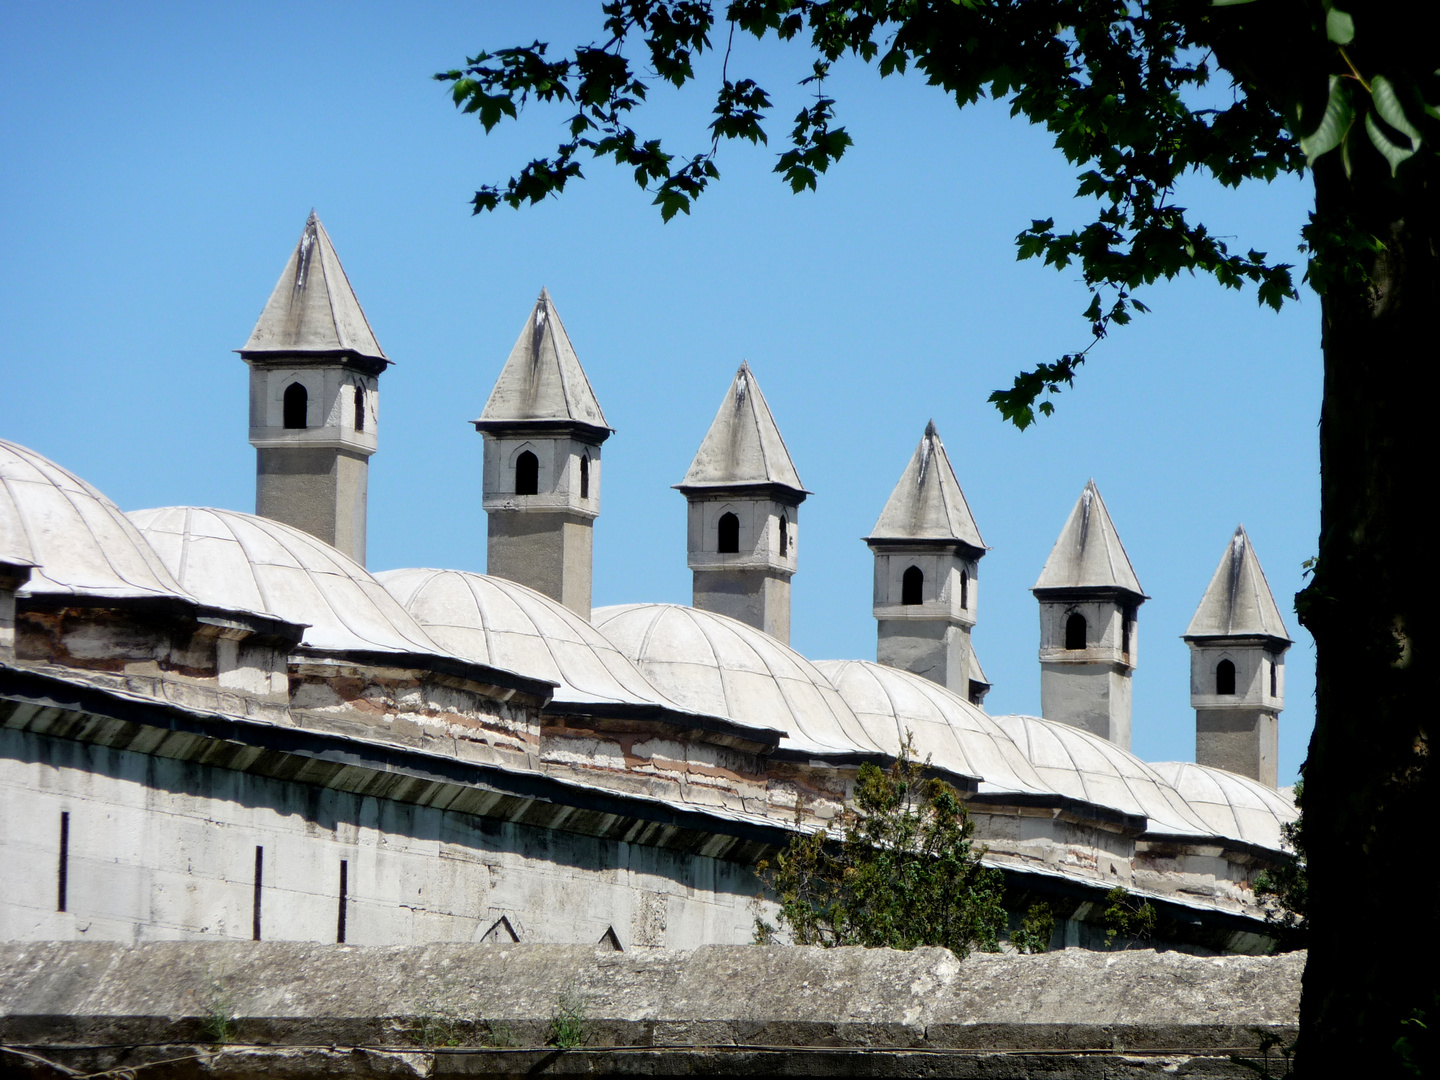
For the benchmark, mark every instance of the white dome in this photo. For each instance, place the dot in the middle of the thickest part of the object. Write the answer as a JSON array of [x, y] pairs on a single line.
[[1087, 767], [1234, 806], [721, 667], [78, 540], [947, 728], [252, 563], [497, 622]]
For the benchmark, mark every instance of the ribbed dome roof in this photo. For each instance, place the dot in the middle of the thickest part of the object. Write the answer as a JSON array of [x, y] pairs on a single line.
[[1234, 806], [722, 667], [498, 622], [242, 561], [78, 540], [952, 732], [1087, 767]]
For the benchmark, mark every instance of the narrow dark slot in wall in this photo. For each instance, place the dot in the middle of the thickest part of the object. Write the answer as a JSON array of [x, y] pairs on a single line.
[[259, 882], [344, 888], [63, 877]]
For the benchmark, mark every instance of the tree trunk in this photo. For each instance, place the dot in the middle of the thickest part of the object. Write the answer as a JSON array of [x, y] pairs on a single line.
[[1370, 783]]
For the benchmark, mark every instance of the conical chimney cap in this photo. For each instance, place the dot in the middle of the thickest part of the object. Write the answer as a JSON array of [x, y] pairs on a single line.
[[313, 310], [1088, 554], [927, 503]]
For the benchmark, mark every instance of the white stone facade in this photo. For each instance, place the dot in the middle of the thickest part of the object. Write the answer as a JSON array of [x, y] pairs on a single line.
[[163, 849]]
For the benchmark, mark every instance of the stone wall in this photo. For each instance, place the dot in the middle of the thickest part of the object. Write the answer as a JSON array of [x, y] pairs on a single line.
[[161, 848], [242, 1010]]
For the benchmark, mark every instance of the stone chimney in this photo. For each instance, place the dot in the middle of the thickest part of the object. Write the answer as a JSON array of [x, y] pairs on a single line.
[[744, 497], [314, 398], [1089, 597], [1237, 645], [927, 551], [543, 429]]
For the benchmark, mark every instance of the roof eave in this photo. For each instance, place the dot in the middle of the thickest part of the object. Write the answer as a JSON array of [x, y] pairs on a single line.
[[540, 425], [927, 543], [370, 365], [778, 491], [1272, 642], [1087, 592]]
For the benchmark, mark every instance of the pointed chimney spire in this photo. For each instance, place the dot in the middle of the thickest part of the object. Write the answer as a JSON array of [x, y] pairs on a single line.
[[1237, 645], [1238, 602], [743, 445], [1088, 596], [543, 430], [927, 503], [1088, 554], [313, 310], [744, 496], [543, 381], [314, 398], [926, 548]]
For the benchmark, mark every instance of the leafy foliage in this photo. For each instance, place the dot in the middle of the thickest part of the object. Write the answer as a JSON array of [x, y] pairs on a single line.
[[1415, 1048], [903, 874], [1128, 917], [1284, 892], [1124, 88], [1036, 930]]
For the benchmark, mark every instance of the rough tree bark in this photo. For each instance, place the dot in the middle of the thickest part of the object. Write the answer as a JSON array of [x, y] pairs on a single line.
[[1370, 784]]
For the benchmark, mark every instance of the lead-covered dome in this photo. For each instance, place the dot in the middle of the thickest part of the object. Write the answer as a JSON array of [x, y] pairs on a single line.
[[501, 623], [78, 540], [719, 666], [1086, 767], [1232, 805], [255, 564], [949, 730]]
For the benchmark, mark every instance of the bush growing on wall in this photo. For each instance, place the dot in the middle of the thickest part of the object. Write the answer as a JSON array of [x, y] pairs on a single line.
[[902, 874]]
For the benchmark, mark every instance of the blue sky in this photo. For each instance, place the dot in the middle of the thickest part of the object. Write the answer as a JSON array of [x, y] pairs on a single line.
[[157, 162]]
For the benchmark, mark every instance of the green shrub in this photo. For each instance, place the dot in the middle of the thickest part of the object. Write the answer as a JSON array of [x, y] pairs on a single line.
[[1036, 930], [1128, 917], [902, 874]]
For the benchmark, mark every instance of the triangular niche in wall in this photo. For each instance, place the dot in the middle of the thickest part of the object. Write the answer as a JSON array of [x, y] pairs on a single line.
[[609, 941], [502, 933]]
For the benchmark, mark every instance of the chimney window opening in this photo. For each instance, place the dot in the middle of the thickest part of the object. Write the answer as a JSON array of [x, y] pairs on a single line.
[[727, 534], [964, 590], [1274, 679], [784, 535], [296, 404], [527, 474], [1126, 616], [584, 476], [359, 408], [1225, 677], [1075, 631], [912, 586]]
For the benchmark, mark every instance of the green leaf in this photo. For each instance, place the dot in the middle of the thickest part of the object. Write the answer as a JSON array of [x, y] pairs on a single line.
[[1333, 126], [1387, 104], [1395, 155], [1339, 27]]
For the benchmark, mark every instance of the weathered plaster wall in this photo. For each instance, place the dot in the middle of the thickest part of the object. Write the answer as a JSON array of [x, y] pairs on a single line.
[[760, 598], [551, 552], [321, 490], [161, 848]]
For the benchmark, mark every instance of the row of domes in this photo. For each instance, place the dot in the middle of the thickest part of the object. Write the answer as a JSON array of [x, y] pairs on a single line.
[[677, 658]]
